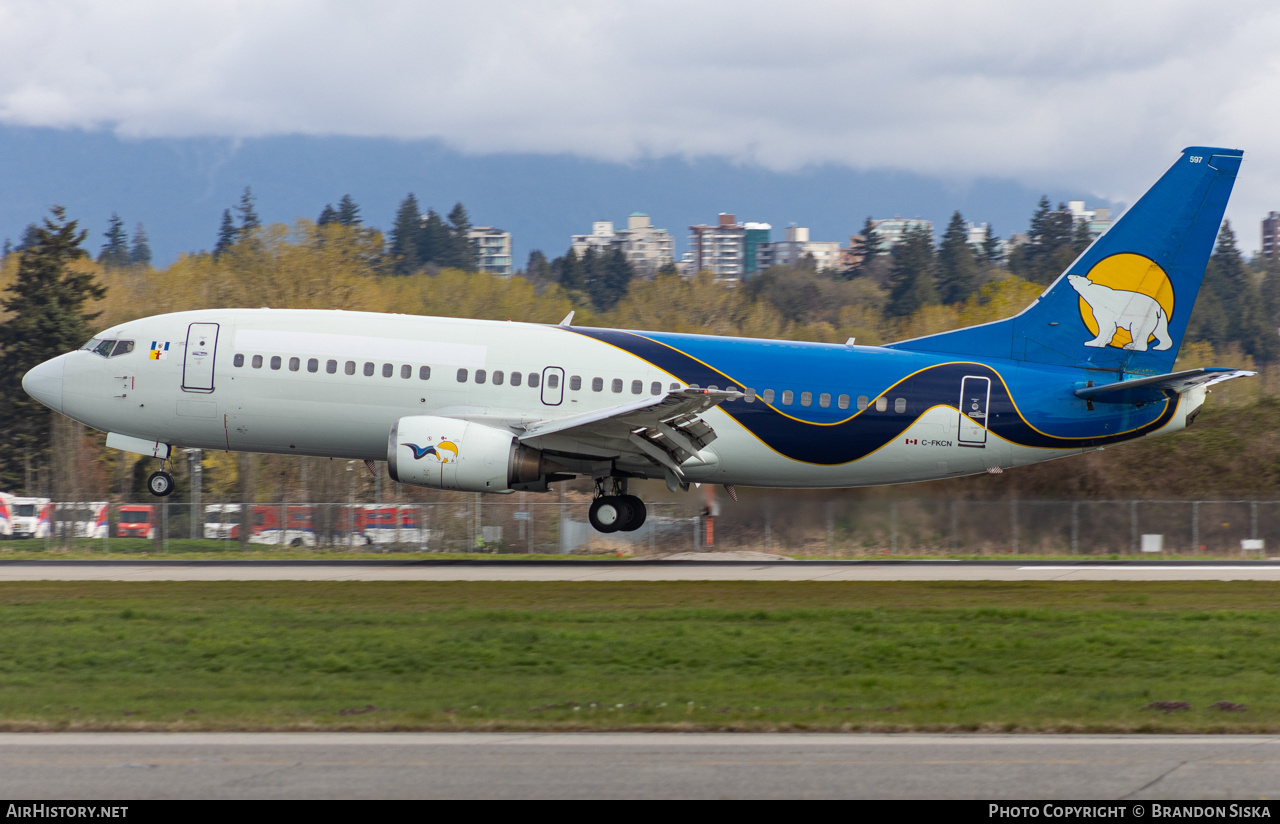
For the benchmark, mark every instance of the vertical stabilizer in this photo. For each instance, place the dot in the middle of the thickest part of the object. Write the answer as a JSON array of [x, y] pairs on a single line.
[[1124, 303]]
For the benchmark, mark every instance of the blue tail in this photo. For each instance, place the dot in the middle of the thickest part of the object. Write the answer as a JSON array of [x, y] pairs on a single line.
[[1123, 305]]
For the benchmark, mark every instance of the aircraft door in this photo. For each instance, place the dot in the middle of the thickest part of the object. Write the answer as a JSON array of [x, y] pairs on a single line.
[[553, 386], [197, 361], [975, 396]]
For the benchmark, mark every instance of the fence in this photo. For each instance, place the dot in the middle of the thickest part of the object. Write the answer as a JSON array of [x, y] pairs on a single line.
[[835, 528]]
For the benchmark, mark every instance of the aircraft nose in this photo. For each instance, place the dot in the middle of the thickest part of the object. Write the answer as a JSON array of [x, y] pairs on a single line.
[[44, 383]]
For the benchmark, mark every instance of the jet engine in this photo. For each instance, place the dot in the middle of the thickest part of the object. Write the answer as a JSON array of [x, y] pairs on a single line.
[[446, 453]]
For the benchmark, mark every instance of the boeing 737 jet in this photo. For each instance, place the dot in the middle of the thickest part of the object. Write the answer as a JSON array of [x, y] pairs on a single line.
[[485, 406]]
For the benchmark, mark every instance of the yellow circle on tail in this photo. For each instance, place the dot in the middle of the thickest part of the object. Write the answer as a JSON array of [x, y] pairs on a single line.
[[1130, 273]]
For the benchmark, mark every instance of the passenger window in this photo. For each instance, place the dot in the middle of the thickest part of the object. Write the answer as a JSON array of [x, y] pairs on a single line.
[[824, 400], [331, 366], [124, 347], [768, 396], [675, 386], [350, 368], [368, 369], [388, 370], [553, 380], [294, 364], [655, 388], [406, 372], [751, 395], [275, 361], [843, 401], [882, 403], [713, 387], [575, 382], [462, 376], [616, 385], [597, 384], [424, 373], [900, 405], [806, 399], [637, 387], [515, 378], [498, 377], [481, 376], [862, 402], [787, 397], [313, 365], [534, 380], [238, 360]]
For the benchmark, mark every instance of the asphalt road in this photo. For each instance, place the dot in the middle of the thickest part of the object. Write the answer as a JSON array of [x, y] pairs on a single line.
[[109, 766], [634, 571]]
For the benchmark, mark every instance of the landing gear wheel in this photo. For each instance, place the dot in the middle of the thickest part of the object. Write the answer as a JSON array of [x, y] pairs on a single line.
[[160, 484], [638, 513], [609, 512]]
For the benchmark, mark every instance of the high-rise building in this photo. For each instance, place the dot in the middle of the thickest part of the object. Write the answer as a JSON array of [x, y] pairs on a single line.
[[890, 232], [493, 249], [1099, 220], [1271, 235], [826, 254], [647, 248], [720, 249]]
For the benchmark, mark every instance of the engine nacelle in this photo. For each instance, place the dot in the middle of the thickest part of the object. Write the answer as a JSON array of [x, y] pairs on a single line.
[[446, 453]]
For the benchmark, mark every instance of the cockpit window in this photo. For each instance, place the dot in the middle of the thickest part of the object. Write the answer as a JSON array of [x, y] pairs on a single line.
[[109, 348]]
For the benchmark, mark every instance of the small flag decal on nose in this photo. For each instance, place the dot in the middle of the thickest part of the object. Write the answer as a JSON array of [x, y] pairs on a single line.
[[159, 350]]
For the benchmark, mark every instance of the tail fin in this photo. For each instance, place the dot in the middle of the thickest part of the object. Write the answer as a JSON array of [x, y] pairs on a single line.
[[1124, 303]]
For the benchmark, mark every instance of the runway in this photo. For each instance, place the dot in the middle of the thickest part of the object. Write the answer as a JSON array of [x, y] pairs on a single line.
[[636, 571], [108, 766]]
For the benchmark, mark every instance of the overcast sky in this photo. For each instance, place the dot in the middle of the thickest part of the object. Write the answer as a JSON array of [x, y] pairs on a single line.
[[1100, 94]]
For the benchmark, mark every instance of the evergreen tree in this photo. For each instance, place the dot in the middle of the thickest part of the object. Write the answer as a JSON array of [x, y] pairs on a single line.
[[1230, 308], [912, 275], [462, 252], [115, 252], [30, 235], [1051, 244], [327, 215], [406, 237], [538, 269], [8, 249], [249, 219], [591, 272], [434, 241], [957, 265], [227, 235], [47, 316], [140, 254], [569, 272], [991, 248], [348, 212], [614, 278]]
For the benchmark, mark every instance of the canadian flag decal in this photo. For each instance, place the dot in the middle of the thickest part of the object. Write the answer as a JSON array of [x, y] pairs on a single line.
[[913, 440]]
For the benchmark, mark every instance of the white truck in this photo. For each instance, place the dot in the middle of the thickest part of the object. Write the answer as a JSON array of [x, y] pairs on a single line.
[[30, 517]]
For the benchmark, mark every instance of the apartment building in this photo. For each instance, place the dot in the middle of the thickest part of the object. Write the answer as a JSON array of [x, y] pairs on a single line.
[[493, 249], [646, 247], [1271, 235], [826, 253]]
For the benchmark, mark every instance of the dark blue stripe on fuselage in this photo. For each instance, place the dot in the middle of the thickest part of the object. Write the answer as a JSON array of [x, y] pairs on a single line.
[[851, 434]]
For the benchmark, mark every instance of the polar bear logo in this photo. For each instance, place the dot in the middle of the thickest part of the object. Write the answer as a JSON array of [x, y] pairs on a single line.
[[1114, 309]]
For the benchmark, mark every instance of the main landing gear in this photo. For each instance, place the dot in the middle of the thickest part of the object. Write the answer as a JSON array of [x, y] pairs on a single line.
[[618, 512], [160, 482]]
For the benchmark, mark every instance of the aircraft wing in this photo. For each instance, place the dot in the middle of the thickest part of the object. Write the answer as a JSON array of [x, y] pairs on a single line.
[[667, 429], [1148, 390]]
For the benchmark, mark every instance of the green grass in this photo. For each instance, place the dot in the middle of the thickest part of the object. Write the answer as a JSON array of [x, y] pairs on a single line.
[[195, 549], [870, 656]]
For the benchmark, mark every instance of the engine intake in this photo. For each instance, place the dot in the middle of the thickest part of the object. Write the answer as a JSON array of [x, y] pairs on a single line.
[[446, 453]]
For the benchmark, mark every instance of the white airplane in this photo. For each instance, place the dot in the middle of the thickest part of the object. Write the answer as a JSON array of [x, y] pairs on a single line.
[[487, 406]]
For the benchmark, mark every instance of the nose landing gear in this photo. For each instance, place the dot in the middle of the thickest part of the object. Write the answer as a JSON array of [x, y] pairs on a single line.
[[618, 512]]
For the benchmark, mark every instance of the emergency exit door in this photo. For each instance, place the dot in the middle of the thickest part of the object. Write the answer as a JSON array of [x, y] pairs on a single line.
[[197, 361], [975, 396]]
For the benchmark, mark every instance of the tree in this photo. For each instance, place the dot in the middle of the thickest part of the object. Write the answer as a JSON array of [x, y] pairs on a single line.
[[30, 235], [249, 219], [569, 272], [434, 240], [227, 235], [991, 247], [1051, 245], [115, 252], [912, 273], [140, 254], [348, 212], [405, 237], [957, 265], [538, 270], [1230, 308], [47, 316], [327, 215], [461, 252]]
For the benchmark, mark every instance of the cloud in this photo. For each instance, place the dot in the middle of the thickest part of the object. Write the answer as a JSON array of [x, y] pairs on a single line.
[[1101, 94]]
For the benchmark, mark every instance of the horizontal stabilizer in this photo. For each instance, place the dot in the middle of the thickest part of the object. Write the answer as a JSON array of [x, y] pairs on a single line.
[[1148, 390]]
